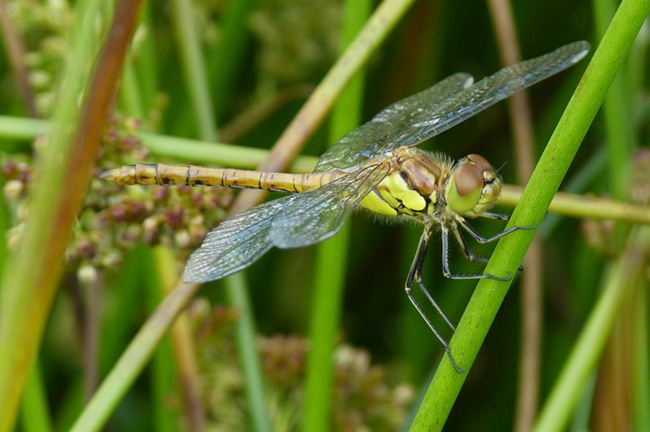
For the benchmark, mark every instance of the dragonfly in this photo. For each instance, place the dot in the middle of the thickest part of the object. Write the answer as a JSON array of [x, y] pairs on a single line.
[[376, 167]]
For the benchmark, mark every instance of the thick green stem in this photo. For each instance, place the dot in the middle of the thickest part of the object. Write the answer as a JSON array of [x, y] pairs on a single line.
[[329, 281], [621, 284], [534, 202]]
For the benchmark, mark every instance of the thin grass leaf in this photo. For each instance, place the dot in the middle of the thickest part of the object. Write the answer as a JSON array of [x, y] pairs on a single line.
[[622, 281], [194, 69], [331, 259]]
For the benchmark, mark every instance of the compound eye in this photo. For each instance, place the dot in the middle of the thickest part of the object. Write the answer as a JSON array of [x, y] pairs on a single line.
[[468, 179], [465, 188], [480, 162]]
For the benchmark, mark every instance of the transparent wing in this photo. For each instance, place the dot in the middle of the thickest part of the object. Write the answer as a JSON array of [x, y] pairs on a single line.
[[435, 119], [235, 244], [441, 107], [363, 142], [291, 221], [319, 214]]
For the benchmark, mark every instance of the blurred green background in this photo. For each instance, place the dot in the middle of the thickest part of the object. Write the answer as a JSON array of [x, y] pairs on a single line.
[[262, 58]]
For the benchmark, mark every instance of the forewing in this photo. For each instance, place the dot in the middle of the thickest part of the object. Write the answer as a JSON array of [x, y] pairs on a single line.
[[434, 119], [235, 244], [363, 143], [319, 214]]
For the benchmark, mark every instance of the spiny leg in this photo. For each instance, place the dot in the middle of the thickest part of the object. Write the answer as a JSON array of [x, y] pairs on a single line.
[[465, 248], [415, 273], [479, 238], [502, 217], [445, 263], [497, 216]]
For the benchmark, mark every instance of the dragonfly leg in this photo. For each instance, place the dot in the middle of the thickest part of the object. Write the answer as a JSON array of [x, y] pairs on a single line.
[[415, 274], [445, 263], [433, 329], [468, 252], [497, 216], [479, 238], [465, 248]]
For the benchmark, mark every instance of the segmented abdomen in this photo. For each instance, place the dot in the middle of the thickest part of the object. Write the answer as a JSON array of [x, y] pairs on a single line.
[[192, 175]]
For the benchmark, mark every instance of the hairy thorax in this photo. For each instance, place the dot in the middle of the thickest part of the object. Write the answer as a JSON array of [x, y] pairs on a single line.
[[414, 187]]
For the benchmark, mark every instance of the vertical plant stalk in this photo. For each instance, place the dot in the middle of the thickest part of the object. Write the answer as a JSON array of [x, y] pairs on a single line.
[[227, 58], [236, 289], [382, 21], [237, 293], [331, 258], [544, 182], [35, 415], [194, 68], [615, 373], [532, 280], [16, 53], [133, 360], [91, 336], [62, 181], [167, 269], [640, 361], [618, 121], [86, 325], [623, 280]]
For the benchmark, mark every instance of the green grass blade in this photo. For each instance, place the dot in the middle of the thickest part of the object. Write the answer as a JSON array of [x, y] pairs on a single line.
[[133, 360], [621, 283], [35, 416], [226, 60], [146, 63], [331, 259], [197, 82], [130, 99], [618, 121], [194, 68], [543, 184], [248, 353]]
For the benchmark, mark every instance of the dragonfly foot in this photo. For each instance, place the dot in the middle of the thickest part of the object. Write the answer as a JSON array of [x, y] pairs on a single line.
[[498, 279], [453, 362]]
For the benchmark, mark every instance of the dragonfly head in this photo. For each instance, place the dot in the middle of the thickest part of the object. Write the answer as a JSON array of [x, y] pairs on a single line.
[[473, 187]]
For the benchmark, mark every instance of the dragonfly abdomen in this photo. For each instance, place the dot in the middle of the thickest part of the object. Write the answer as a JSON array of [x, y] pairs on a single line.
[[193, 175]]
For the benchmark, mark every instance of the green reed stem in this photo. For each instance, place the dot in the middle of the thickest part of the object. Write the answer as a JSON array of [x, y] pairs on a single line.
[[35, 415], [623, 280], [228, 56], [237, 291], [197, 82], [194, 68], [545, 181], [331, 259]]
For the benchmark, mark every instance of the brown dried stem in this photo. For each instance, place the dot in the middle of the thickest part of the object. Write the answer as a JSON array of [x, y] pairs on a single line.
[[37, 268]]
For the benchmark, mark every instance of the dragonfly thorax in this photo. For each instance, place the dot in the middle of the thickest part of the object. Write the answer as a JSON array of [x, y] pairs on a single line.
[[422, 184], [412, 187]]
